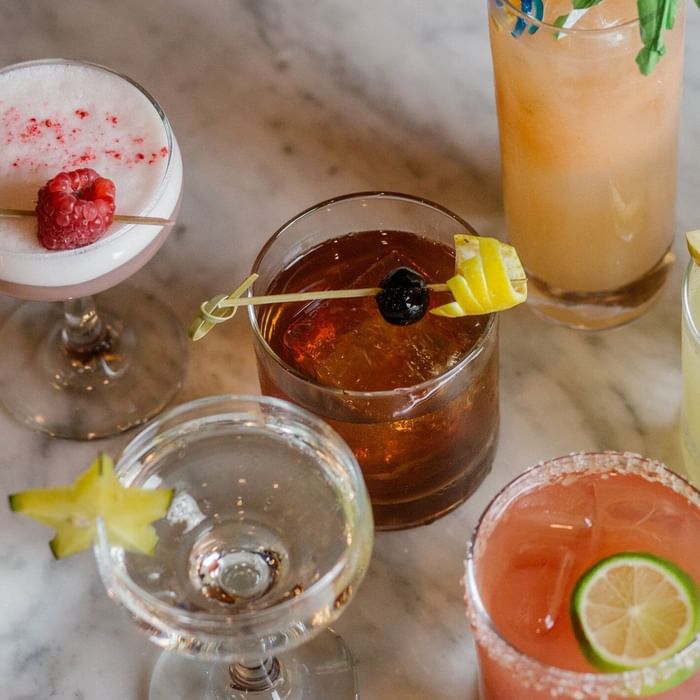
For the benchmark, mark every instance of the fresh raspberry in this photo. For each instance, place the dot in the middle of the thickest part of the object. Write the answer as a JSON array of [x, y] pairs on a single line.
[[74, 209]]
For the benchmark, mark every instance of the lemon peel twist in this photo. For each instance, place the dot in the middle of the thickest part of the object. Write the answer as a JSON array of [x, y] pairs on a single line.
[[490, 277]]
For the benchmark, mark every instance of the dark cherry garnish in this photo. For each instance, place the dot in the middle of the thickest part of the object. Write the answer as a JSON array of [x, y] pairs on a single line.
[[404, 297]]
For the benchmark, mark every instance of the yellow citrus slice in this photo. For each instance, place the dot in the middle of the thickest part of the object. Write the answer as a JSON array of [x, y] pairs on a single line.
[[692, 238], [127, 513], [632, 610], [490, 277]]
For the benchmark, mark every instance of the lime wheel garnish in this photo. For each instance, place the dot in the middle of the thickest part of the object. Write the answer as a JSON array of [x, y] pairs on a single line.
[[633, 610]]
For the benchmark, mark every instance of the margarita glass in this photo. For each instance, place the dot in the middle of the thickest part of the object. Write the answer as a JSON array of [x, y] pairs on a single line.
[[589, 154], [418, 404], [534, 541], [81, 374], [267, 538]]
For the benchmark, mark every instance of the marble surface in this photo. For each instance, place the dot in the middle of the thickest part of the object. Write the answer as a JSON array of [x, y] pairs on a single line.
[[278, 105]]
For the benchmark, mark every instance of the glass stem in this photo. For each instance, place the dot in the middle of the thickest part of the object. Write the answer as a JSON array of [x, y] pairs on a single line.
[[83, 332], [251, 677]]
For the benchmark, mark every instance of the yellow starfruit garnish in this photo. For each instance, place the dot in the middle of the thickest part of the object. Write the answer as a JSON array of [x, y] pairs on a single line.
[[127, 513], [489, 277]]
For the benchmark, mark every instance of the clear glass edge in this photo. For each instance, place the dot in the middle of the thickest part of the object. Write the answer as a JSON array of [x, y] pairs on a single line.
[[685, 301]]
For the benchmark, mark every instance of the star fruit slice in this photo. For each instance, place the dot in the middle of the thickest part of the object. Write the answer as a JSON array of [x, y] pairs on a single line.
[[127, 513], [489, 277]]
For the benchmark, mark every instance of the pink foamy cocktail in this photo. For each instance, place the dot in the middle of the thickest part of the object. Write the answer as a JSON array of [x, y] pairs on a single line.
[[85, 374], [60, 115]]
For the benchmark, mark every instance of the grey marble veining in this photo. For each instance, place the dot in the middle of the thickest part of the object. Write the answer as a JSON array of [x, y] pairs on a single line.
[[278, 105]]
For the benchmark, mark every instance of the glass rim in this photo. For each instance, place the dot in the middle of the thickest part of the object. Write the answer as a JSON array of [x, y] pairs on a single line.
[[475, 351], [590, 683], [581, 31], [213, 620], [119, 232], [685, 302]]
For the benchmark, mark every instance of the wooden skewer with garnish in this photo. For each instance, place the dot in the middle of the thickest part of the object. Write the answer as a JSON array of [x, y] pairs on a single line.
[[489, 277], [122, 218]]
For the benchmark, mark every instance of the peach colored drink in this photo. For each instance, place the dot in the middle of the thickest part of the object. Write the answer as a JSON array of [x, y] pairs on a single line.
[[534, 542], [589, 153]]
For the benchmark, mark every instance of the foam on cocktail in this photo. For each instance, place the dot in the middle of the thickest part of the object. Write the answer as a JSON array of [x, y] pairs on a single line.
[[57, 116]]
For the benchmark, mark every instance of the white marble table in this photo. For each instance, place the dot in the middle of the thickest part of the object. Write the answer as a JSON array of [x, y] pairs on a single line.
[[277, 105]]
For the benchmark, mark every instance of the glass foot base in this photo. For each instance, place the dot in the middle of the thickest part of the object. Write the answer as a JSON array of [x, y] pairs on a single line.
[[599, 310], [115, 388], [321, 669]]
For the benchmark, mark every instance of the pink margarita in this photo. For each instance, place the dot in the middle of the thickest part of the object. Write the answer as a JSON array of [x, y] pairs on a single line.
[[535, 540]]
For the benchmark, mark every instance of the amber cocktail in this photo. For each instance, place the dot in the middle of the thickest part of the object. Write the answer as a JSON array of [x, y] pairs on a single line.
[[418, 404]]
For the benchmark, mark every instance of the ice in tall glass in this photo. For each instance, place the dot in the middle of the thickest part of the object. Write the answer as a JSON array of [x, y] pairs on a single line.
[[588, 156]]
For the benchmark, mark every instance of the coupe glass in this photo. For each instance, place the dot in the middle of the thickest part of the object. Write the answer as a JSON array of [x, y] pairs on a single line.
[[267, 539], [74, 372]]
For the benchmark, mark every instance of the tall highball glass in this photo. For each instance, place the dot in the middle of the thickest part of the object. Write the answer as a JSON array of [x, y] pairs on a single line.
[[589, 151]]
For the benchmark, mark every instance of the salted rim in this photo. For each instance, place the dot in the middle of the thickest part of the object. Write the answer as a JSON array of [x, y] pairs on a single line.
[[437, 381], [538, 675]]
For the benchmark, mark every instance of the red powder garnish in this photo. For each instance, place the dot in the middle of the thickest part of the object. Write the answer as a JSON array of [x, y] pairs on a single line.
[[140, 156], [137, 139], [30, 131], [164, 151], [82, 113]]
